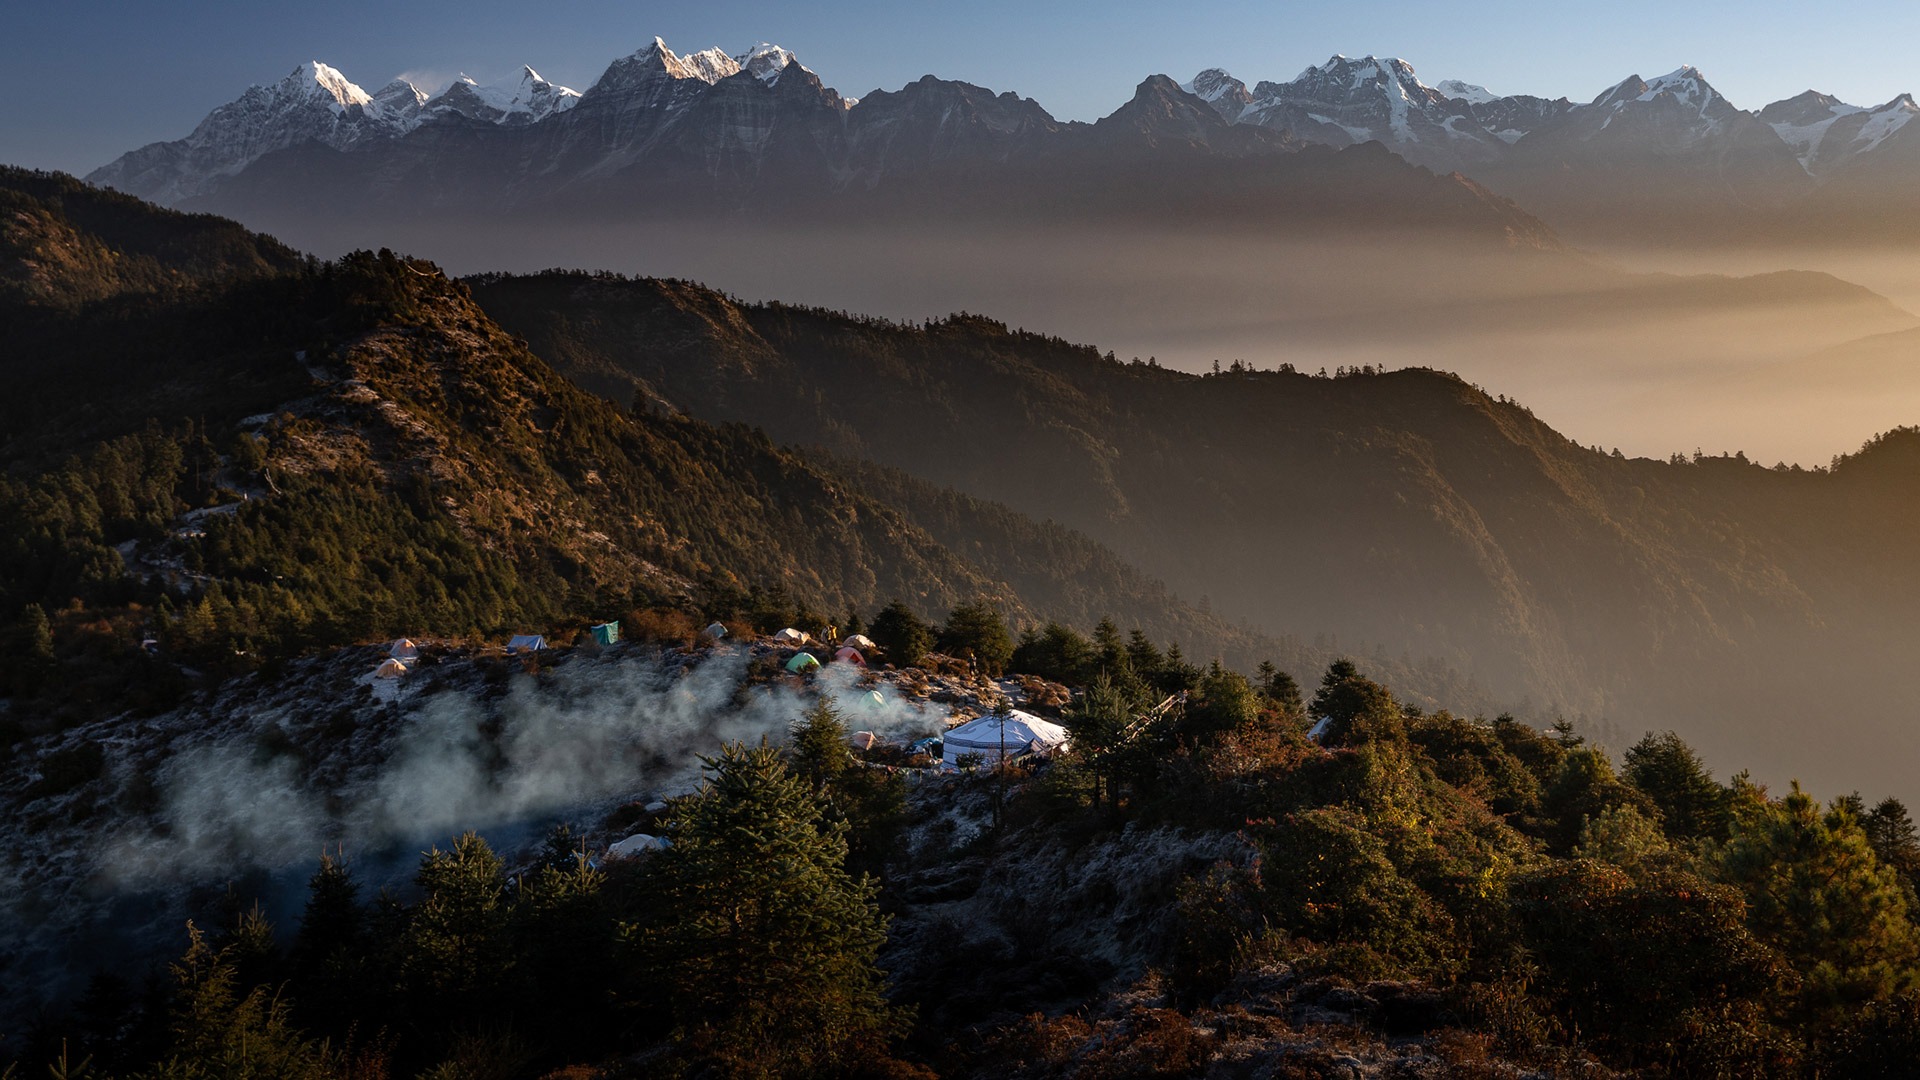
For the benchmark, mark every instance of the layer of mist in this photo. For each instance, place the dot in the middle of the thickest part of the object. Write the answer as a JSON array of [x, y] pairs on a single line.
[[252, 787], [456, 761], [1618, 352]]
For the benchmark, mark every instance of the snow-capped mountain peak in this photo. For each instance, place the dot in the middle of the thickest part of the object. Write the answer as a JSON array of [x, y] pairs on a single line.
[[532, 100], [1466, 91], [1685, 83], [316, 81], [710, 65], [1228, 95], [1213, 84], [400, 98], [656, 61], [766, 61]]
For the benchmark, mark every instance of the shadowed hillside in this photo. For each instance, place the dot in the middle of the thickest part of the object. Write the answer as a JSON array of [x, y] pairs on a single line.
[[1407, 507]]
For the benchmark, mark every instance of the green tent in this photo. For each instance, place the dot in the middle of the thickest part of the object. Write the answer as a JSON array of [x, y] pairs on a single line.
[[802, 663], [606, 633]]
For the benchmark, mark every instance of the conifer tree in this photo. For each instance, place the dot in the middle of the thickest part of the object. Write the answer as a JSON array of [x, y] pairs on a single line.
[[1691, 805], [904, 636], [1816, 893], [219, 1032], [766, 944], [976, 632]]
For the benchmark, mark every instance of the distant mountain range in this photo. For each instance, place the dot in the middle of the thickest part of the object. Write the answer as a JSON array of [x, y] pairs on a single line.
[[760, 132]]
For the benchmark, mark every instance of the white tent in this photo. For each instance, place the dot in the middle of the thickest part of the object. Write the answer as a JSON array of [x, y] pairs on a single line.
[[637, 844], [1018, 732], [526, 643], [716, 631], [790, 636], [404, 650], [862, 740], [858, 641], [389, 669]]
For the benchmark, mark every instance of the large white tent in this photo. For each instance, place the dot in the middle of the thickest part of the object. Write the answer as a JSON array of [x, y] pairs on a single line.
[[1013, 733]]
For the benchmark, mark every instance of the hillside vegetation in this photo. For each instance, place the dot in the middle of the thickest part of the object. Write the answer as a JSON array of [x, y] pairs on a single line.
[[1407, 507], [269, 463]]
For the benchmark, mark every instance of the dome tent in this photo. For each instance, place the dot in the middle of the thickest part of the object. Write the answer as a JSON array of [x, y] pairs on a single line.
[[404, 650], [857, 641], [790, 636], [802, 663], [389, 669], [1015, 731], [526, 643], [850, 655], [716, 631]]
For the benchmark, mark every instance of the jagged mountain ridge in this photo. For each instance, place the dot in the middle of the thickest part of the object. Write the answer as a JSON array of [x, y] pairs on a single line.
[[1407, 508], [663, 135], [759, 131]]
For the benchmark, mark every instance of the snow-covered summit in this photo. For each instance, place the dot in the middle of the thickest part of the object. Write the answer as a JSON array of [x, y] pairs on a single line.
[[1826, 133], [317, 81], [400, 99], [1466, 91], [312, 103], [530, 101], [767, 62]]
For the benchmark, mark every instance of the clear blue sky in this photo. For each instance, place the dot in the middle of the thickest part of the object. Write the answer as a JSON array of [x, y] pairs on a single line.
[[83, 80]]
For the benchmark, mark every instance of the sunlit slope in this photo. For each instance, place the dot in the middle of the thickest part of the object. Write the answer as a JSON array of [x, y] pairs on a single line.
[[1409, 508]]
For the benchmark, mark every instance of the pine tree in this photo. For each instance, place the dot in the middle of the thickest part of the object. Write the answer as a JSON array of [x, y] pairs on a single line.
[[1816, 893], [1895, 840], [901, 634], [456, 948], [218, 1032], [976, 632], [766, 945], [1691, 805]]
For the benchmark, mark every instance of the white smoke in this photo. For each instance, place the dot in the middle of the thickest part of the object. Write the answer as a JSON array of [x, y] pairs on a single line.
[[589, 735]]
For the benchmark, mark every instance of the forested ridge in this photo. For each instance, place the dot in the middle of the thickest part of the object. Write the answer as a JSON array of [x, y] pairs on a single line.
[[263, 461], [1409, 893], [1403, 507]]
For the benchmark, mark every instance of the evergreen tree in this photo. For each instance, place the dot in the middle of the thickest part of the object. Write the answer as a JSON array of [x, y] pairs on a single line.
[[901, 634], [766, 945], [976, 632], [1055, 652], [1816, 893], [1691, 805], [870, 804], [220, 1033], [1109, 652], [1223, 702], [456, 948], [1143, 656], [1894, 838], [328, 951], [1095, 722]]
